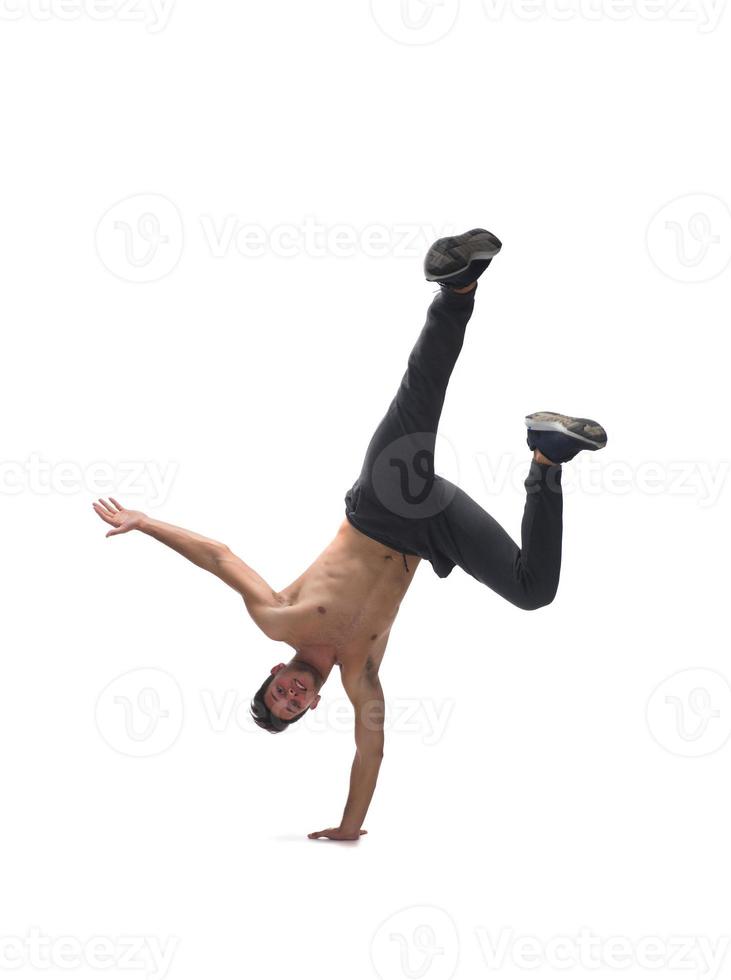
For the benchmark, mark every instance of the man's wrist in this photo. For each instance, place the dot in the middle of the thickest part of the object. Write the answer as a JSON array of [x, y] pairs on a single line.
[[351, 832], [348, 827]]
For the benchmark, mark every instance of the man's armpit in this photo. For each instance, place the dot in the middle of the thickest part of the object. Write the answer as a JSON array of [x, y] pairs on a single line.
[[272, 618]]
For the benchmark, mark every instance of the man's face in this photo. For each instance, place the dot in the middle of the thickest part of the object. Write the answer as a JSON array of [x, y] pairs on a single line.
[[292, 690]]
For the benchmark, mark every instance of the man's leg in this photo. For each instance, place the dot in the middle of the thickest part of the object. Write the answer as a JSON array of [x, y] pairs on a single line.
[[398, 473], [398, 477], [464, 534], [402, 495], [398, 469]]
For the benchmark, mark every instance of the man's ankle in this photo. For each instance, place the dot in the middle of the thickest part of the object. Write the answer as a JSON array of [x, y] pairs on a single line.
[[465, 289], [540, 458]]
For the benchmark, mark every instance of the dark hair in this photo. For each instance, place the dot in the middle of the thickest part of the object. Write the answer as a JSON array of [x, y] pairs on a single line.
[[264, 717]]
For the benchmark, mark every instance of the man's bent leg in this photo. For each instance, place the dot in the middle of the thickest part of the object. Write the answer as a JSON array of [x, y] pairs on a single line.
[[464, 534]]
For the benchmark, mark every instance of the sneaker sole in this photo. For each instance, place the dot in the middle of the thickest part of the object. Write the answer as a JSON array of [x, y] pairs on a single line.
[[449, 257], [584, 430]]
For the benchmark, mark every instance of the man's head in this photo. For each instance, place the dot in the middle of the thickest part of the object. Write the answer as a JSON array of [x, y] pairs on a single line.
[[290, 691]]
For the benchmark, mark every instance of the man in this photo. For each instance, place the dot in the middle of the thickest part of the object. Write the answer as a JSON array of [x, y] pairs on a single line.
[[340, 611]]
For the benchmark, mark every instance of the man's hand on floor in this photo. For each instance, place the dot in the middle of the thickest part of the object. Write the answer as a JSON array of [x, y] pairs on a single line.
[[336, 833]]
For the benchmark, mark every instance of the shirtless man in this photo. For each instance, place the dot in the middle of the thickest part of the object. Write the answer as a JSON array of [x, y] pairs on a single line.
[[340, 611]]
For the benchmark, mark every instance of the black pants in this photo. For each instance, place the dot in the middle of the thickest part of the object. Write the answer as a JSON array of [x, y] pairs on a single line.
[[401, 502]]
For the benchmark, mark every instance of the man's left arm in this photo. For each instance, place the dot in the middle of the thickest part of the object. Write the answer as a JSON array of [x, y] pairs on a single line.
[[366, 696]]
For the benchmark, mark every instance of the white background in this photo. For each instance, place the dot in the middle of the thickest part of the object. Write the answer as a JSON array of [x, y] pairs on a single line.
[[561, 793]]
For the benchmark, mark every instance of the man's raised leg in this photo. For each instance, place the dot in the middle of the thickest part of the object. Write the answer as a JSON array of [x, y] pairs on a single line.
[[398, 469], [398, 495]]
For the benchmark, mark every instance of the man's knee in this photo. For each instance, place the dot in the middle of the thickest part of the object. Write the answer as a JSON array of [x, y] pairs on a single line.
[[536, 599]]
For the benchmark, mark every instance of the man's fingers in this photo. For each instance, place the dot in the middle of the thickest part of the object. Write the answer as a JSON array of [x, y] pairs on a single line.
[[118, 506], [102, 513], [334, 833], [106, 506]]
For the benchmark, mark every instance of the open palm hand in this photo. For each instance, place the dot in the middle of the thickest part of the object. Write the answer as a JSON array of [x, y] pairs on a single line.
[[121, 519]]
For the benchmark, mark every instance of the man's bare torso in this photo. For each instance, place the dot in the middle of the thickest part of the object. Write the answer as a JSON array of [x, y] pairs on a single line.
[[347, 599]]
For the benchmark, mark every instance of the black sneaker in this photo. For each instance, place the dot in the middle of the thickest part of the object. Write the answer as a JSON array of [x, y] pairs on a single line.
[[561, 437], [461, 259]]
